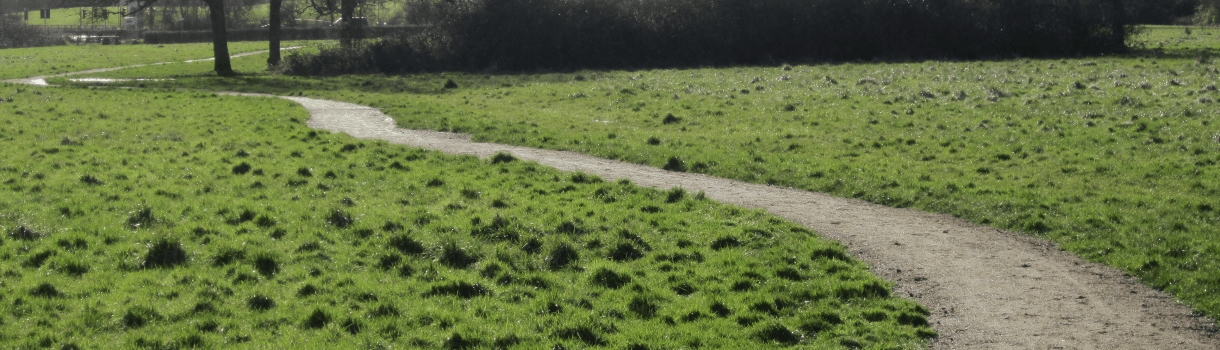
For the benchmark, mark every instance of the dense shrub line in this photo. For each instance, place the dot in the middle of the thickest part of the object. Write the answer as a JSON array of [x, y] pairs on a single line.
[[262, 34], [569, 34], [14, 34]]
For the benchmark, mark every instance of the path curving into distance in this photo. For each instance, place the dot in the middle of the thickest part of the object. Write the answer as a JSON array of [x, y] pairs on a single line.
[[986, 288]]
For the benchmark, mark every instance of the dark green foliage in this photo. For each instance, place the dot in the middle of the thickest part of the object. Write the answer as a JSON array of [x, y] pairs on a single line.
[[829, 253], [142, 217], [777, 333], [562, 256], [583, 334], [90, 180], [45, 290], [317, 319], [266, 265], [462, 290], [24, 233], [406, 245], [261, 303], [608, 278], [139, 316], [725, 242], [675, 195], [675, 164], [456, 257], [261, 34], [14, 33], [499, 228], [617, 34], [165, 254], [670, 119], [625, 252], [384, 310], [912, 319], [340, 219], [228, 256], [241, 169], [642, 306], [720, 309], [352, 326], [502, 157], [307, 290], [458, 341], [532, 246]]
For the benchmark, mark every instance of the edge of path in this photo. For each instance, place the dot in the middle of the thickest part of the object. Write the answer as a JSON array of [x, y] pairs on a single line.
[[986, 288]]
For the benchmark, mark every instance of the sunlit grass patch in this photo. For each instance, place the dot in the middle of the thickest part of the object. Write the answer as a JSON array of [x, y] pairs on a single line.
[[187, 219], [1113, 157]]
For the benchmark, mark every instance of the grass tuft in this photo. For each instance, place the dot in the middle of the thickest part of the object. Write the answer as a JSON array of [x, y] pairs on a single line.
[[24, 233], [316, 320], [606, 277], [562, 256], [165, 254], [260, 303], [340, 219], [502, 157], [45, 290]]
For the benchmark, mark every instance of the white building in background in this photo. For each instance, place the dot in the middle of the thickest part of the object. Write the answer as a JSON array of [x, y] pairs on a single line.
[[132, 22]]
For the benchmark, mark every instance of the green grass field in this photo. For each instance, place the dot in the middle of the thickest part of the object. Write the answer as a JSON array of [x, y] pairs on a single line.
[[1113, 157], [173, 219], [71, 17], [27, 62]]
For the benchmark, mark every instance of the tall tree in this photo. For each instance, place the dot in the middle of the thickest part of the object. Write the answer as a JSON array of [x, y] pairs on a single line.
[[220, 38], [347, 32], [274, 35], [1118, 26]]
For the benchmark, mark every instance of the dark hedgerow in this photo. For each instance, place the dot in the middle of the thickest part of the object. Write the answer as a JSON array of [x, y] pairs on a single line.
[[566, 34]]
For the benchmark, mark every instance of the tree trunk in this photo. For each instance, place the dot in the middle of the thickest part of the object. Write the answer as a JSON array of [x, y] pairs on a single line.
[[1118, 28], [274, 58], [347, 32], [220, 38]]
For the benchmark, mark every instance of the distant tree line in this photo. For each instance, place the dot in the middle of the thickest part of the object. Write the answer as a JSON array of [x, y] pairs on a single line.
[[520, 35]]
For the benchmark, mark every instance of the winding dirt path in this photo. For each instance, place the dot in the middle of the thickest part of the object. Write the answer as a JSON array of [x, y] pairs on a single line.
[[986, 288]]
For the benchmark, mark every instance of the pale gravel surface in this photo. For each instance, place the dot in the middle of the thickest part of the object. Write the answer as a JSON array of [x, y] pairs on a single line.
[[987, 288]]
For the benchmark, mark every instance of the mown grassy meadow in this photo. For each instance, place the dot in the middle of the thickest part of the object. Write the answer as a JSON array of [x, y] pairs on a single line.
[[27, 62], [1113, 157], [71, 17], [174, 219]]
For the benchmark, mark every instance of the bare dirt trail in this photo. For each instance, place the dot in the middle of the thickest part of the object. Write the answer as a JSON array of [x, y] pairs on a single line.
[[986, 288]]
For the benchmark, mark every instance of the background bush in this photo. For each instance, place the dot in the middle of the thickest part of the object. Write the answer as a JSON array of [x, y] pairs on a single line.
[[571, 34], [262, 34], [14, 33]]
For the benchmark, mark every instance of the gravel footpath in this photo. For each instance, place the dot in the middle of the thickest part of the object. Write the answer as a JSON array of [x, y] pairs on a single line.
[[986, 288]]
